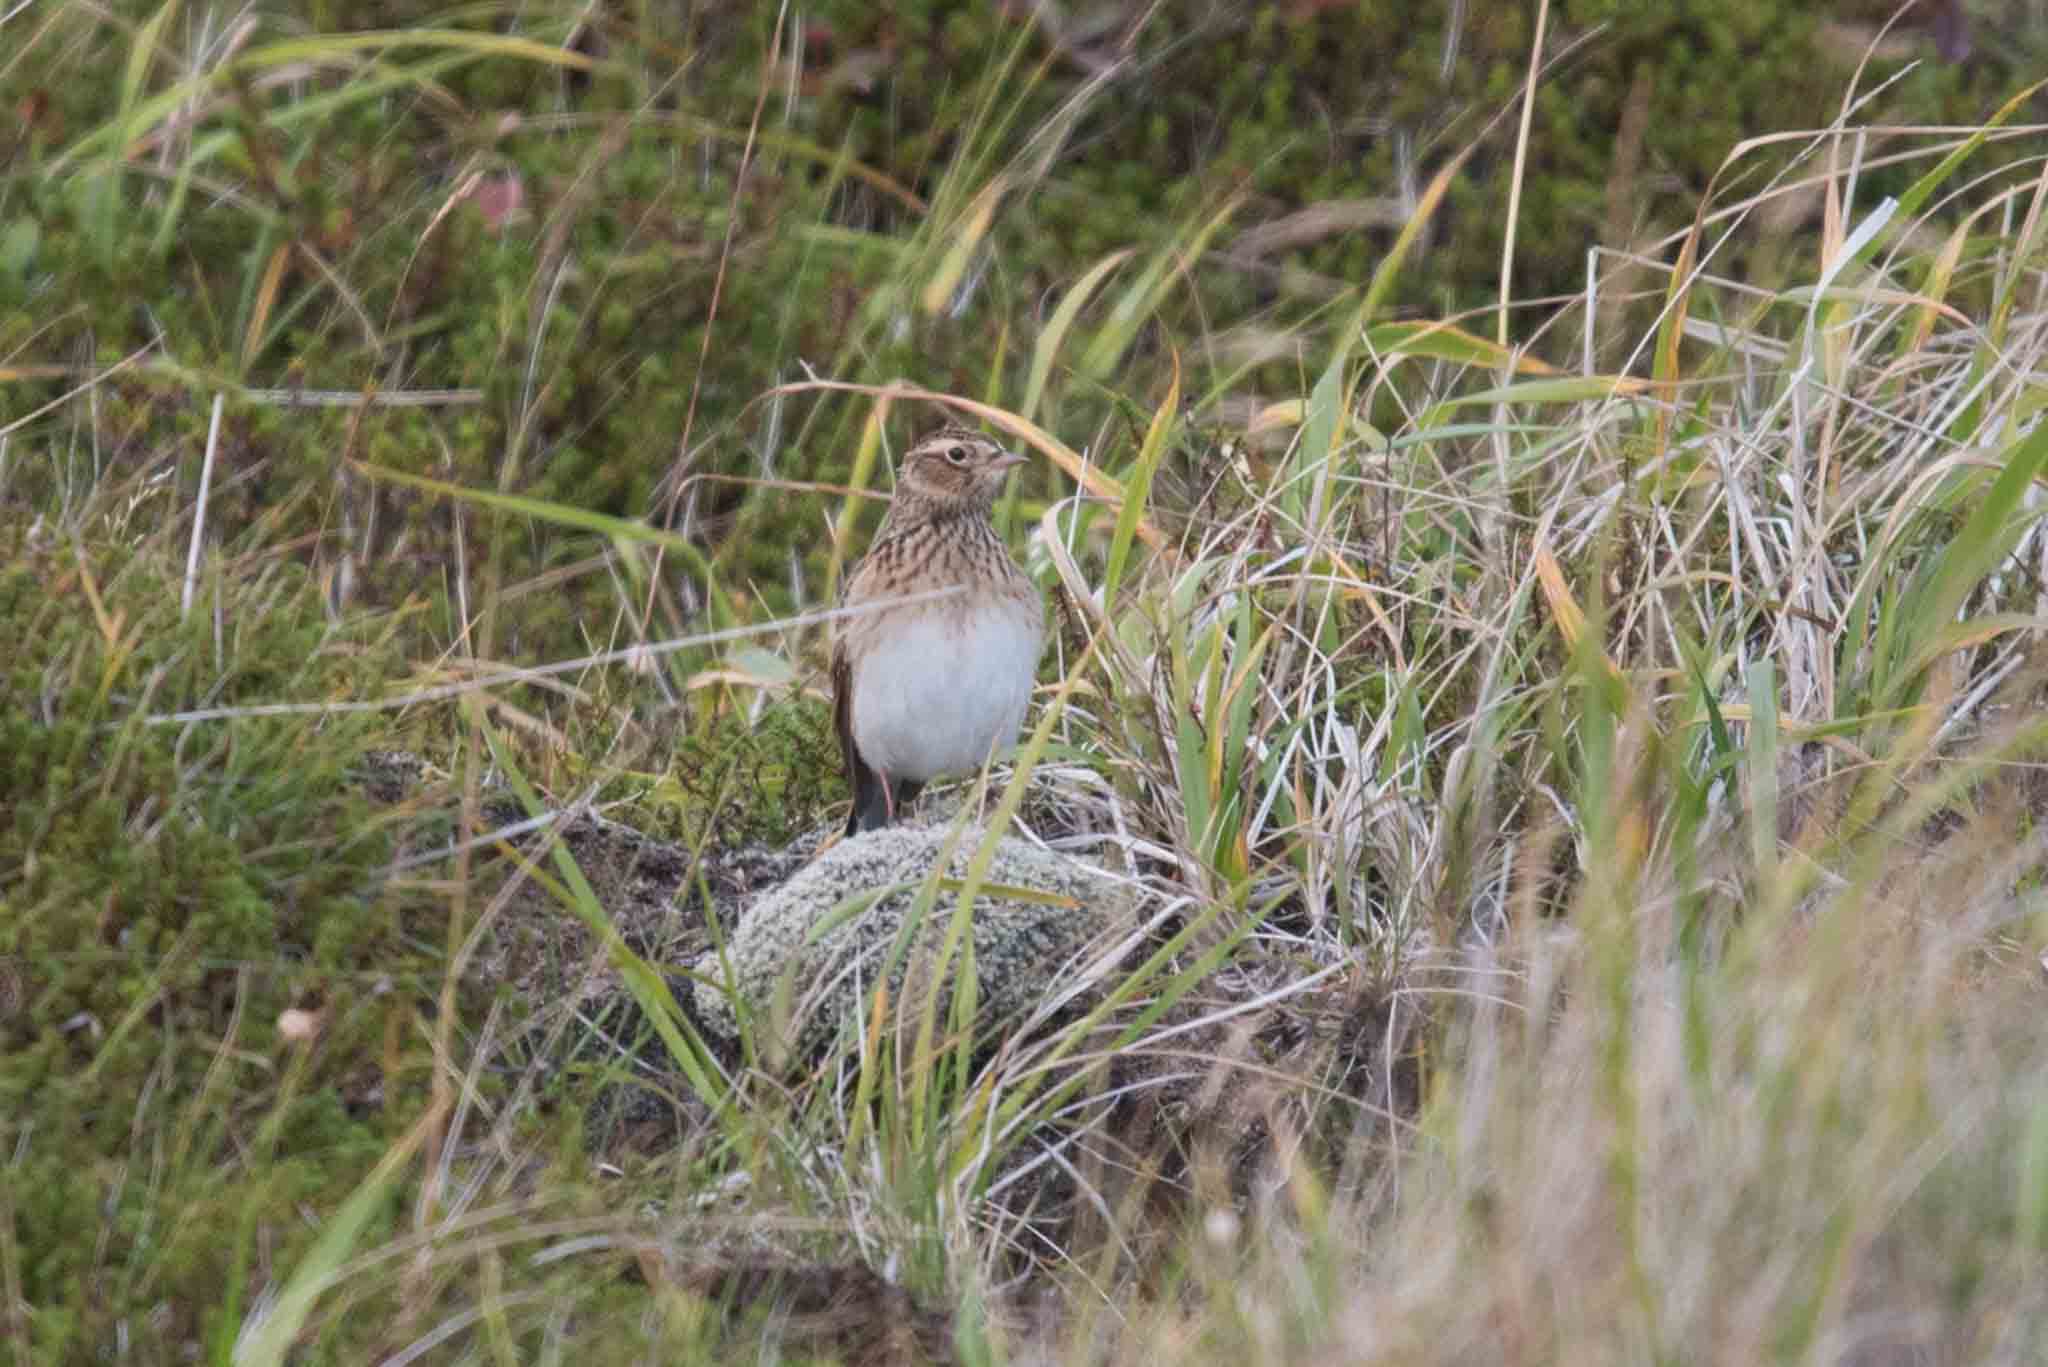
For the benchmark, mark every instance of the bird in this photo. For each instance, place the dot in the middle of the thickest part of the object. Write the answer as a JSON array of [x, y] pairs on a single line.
[[934, 686]]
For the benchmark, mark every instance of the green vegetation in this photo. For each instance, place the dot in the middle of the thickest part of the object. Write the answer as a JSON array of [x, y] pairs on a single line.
[[1580, 788]]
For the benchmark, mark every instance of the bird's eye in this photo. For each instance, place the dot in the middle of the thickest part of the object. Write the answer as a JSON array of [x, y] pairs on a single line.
[[957, 454]]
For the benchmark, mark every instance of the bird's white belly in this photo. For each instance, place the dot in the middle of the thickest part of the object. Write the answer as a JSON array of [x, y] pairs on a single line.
[[937, 692]]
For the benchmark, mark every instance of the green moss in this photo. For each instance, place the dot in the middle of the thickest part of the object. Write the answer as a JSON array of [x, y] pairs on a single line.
[[583, 320], [733, 782], [166, 892]]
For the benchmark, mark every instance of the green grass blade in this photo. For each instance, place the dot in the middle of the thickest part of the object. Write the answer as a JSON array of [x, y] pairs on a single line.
[[1158, 437], [1045, 351], [274, 1338]]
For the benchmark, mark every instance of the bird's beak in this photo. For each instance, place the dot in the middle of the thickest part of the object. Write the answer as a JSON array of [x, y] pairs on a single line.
[[1008, 459]]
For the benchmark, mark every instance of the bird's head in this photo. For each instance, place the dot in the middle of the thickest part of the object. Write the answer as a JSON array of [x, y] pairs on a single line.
[[955, 465]]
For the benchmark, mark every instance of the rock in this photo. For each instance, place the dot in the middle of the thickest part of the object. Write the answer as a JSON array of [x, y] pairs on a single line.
[[807, 954]]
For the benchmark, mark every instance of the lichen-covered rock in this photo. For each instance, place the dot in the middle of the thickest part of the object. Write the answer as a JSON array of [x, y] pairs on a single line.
[[809, 952]]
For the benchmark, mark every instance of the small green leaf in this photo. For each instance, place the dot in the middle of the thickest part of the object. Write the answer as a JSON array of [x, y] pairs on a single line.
[[762, 666], [18, 247]]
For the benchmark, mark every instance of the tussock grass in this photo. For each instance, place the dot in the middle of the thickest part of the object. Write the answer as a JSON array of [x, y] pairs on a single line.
[[1585, 826]]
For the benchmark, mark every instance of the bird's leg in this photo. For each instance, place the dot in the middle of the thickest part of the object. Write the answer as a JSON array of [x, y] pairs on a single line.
[[870, 783], [904, 792], [868, 814]]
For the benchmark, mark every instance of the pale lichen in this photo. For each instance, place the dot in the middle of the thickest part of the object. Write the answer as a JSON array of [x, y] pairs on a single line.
[[808, 954]]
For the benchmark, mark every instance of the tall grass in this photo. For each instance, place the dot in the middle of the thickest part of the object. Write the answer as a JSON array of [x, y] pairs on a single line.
[[1584, 826]]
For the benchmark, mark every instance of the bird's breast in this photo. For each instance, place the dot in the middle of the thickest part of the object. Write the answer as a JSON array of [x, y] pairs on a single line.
[[936, 691]]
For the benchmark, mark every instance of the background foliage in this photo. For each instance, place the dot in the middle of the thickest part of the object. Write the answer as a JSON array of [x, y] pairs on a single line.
[[257, 203]]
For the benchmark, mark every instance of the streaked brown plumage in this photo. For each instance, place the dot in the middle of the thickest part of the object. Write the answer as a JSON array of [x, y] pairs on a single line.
[[935, 686]]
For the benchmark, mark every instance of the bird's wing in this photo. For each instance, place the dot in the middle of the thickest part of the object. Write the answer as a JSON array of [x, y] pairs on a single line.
[[872, 804], [842, 709]]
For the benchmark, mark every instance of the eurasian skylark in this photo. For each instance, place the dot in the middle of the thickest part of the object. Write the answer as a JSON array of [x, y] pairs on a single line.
[[935, 686]]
